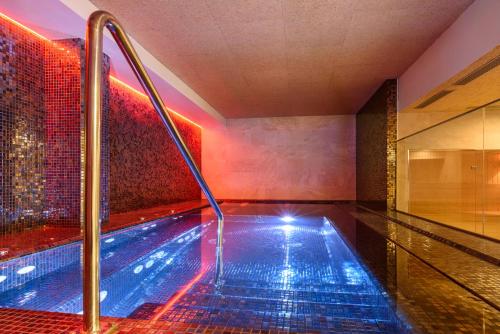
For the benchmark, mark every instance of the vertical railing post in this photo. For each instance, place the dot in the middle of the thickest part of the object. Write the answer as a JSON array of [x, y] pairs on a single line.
[[93, 60], [92, 176]]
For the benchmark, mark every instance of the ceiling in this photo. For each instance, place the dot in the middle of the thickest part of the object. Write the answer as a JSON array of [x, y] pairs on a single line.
[[266, 58]]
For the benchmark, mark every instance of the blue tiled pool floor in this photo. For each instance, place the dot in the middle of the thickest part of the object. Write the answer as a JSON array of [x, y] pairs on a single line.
[[295, 275]]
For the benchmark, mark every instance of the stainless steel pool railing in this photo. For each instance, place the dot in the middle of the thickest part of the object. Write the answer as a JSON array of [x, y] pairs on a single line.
[[91, 248]]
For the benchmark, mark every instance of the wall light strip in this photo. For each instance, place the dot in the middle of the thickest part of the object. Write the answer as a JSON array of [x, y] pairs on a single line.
[[33, 32], [120, 82], [22, 26]]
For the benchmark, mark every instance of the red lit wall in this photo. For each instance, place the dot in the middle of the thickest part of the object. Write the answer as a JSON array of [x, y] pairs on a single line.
[[62, 134], [145, 166], [22, 137], [41, 138]]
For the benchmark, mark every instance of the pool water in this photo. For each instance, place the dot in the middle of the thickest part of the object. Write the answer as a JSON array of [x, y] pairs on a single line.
[[288, 273]]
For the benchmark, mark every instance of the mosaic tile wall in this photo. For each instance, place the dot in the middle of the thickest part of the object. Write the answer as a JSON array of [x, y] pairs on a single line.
[[376, 131], [62, 133], [64, 95], [145, 167], [392, 137], [22, 137], [41, 122]]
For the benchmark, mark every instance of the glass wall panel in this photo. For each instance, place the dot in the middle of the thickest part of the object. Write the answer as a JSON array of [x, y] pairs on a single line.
[[450, 173], [492, 170]]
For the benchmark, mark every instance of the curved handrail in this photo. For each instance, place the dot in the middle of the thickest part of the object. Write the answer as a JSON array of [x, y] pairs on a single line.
[[94, 51]]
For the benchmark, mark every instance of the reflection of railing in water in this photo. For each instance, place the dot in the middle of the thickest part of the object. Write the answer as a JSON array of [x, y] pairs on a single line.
[[94, 41]]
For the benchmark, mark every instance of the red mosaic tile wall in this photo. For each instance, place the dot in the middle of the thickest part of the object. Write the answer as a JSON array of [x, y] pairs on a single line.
[[62, 132], [41, 124], [64, 77], [22, 138], [41, 127], [145, 167]]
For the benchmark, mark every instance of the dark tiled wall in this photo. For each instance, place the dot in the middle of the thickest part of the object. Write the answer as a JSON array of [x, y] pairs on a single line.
[[376, 146], [146, 168]]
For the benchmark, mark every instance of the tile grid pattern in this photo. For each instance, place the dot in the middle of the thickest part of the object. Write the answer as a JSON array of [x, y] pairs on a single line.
[[422, 293], [485, 249], [22, 118], [145, 166], [392, 136], [65, 132], [480, 277], [376, 131], [41, 146]]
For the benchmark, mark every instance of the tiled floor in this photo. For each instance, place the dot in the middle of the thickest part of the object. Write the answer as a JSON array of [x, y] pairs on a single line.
[[36, 322], [489, 249], [43, 237], [430, 301], [478, 276]]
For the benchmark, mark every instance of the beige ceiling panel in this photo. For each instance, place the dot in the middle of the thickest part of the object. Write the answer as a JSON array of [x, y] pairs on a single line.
[[260, 58]]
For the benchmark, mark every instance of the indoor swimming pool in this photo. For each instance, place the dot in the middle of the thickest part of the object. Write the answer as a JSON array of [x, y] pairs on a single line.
[[280, 272]]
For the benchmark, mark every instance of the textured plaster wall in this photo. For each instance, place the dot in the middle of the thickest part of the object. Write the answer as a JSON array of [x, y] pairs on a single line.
[[298, 158], [376, 132]]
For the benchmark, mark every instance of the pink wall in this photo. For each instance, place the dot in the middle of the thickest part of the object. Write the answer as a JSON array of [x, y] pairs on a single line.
[[301, 158], [473, 34]]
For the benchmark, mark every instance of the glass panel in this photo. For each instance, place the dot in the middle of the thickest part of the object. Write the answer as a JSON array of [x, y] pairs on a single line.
[[440, 173], [492, 170]]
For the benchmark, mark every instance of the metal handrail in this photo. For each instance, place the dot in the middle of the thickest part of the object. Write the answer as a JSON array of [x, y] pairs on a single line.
[[91, 248]]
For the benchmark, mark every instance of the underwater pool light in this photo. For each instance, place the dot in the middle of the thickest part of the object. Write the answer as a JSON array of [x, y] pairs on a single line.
[[138, 269], [102, 295], [287, 219], [109, 240], [26, 270]]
